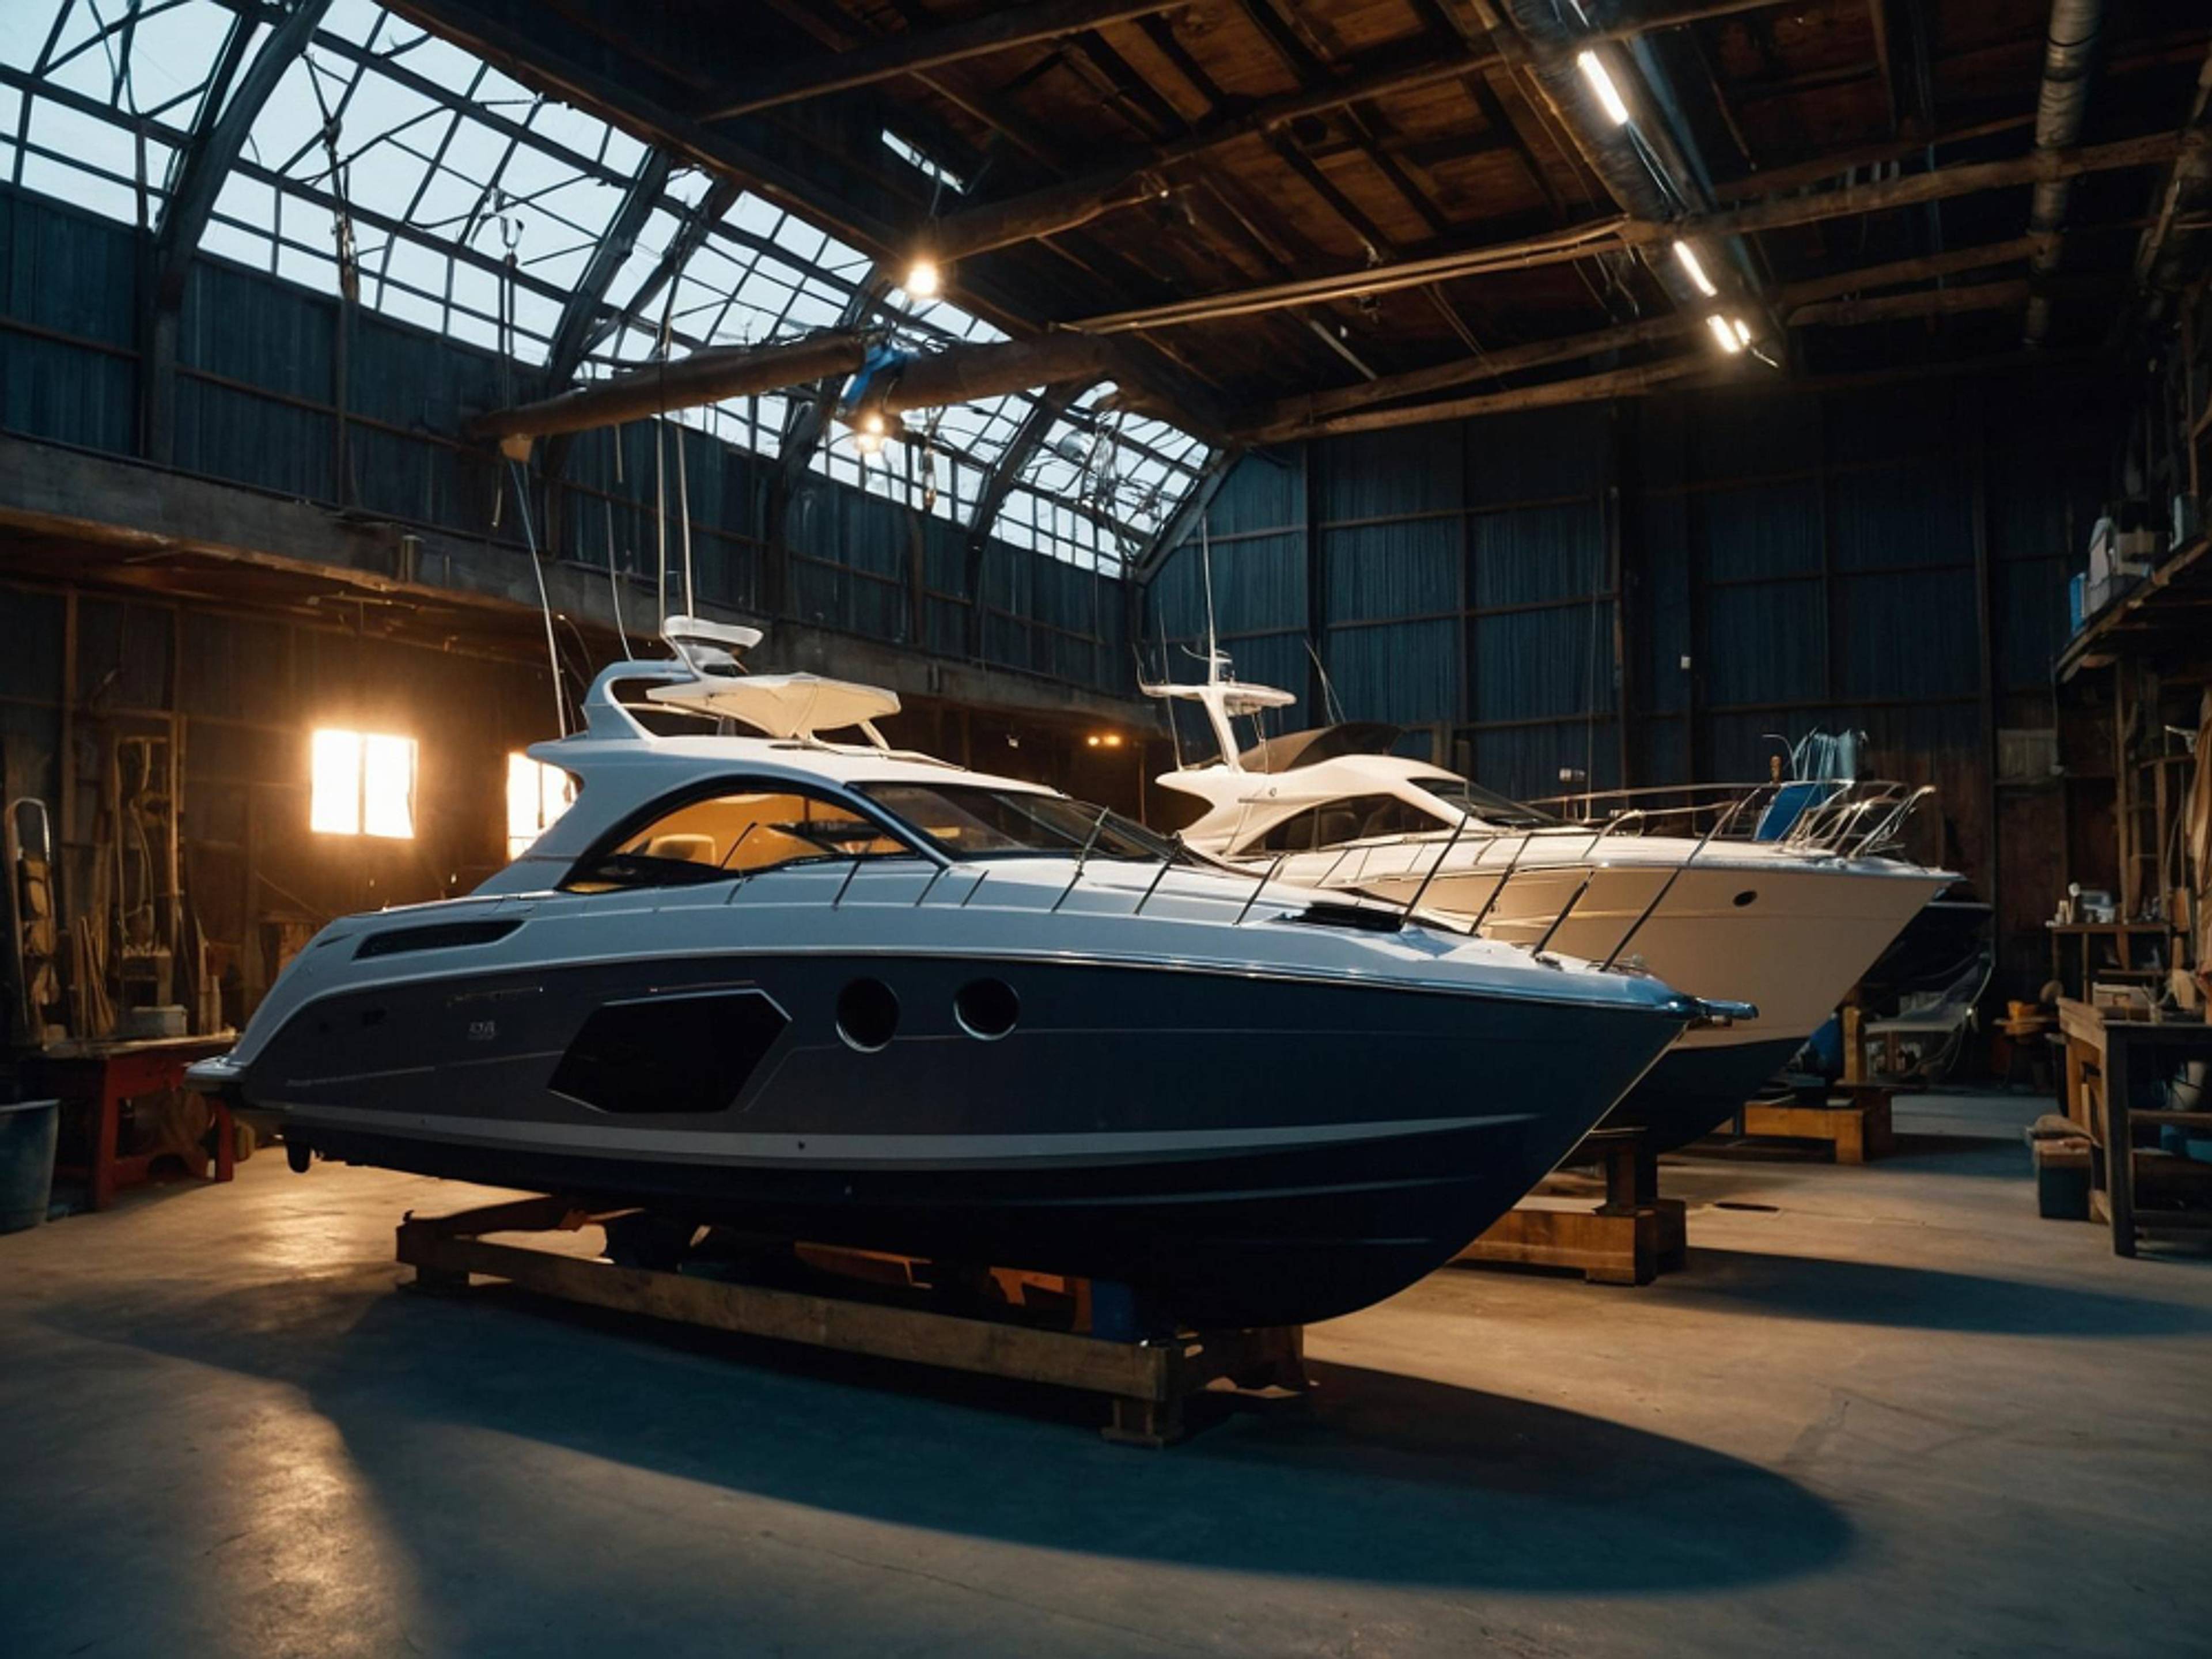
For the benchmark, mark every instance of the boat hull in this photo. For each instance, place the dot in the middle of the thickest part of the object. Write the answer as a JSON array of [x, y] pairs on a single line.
[[1240, 1147], [1792, 938], [1692, 1091]]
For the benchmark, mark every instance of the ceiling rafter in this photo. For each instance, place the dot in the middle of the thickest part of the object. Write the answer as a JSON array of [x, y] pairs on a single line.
[[916, 49]]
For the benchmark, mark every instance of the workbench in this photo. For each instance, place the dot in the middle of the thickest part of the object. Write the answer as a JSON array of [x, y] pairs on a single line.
[[2106, 1050], [98, 1077], [2075, 977]]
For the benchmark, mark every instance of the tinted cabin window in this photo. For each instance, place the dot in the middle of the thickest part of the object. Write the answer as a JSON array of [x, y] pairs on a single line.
[[743, 832], [1358, 817]]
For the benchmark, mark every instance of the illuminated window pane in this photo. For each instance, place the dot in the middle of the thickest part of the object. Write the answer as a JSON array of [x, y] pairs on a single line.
[[387, 775], [537, 795], [362, 783], [334, 795]]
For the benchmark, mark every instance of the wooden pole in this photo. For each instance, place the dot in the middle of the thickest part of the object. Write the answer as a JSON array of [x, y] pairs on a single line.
[[958, 374], [703, 377]]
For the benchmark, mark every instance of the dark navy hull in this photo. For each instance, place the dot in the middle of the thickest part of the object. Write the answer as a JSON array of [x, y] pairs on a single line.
[[1691, 1093], [1242, 1148], [1272, 1239]]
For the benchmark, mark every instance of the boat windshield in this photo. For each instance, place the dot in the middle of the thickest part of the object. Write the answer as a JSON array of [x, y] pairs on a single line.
[[1462, 796], [968, 821]]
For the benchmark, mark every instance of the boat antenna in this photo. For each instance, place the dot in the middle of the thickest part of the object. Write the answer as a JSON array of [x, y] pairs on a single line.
[[1206, 571], [1329, 705], [684, 521], [660, 459]]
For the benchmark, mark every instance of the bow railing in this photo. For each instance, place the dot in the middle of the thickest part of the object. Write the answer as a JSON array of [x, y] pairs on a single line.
[[1840, 817]]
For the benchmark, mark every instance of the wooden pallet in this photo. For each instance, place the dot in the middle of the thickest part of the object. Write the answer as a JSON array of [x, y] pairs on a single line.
[[1146, 1383], [1854, 1121], [1630, 1238]]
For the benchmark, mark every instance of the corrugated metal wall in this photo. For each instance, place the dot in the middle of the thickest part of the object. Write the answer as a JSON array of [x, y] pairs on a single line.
[[1791, 559], [240, 695], [262, 382]]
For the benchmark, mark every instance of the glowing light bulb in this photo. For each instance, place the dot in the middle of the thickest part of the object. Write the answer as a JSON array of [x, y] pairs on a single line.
[[1593, 70], [924, 280], [1687, 256]]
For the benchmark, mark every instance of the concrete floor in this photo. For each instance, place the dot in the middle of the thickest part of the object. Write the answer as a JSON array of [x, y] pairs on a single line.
[[1886, 1409]]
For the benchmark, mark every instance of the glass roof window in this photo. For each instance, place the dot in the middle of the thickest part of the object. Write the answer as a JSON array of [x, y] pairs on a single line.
[[438, 167]]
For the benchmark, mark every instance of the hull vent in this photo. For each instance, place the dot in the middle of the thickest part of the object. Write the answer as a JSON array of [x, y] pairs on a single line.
[[440, 936], [675, 1054]]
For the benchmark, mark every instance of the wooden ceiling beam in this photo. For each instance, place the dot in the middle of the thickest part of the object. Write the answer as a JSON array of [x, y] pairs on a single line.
[[1820, 302], [1602, 234], [1148, 174], [958, 374], [918, 50], [1927, 302], [1583, 388], [1896, 272]]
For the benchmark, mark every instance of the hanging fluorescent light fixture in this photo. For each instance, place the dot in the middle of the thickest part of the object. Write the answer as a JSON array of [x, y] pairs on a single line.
[[1687, 256], [1742, 330], [1725, 334], [1593, 68]]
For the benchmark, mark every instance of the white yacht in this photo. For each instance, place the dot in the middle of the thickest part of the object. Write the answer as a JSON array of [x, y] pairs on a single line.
[[1783, 896], [826, 991]]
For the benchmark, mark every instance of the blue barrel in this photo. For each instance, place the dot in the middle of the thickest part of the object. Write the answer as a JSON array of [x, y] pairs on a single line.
[[27, 1128]]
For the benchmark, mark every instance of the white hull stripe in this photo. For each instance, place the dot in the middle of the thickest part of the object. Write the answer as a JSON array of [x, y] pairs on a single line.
[[731, 1147]]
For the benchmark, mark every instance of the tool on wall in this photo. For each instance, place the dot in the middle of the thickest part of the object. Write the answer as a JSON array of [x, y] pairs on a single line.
[[33, 937]]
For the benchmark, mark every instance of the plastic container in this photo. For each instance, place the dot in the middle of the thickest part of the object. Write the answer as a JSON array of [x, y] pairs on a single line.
[[28, 1129]]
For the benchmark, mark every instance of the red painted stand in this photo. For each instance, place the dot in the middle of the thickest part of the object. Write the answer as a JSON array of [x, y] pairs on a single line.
[[97, 1078]]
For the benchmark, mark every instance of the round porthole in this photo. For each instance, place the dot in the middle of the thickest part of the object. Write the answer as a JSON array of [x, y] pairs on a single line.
[[867, 1014], [1748, 895], [987, 1008]]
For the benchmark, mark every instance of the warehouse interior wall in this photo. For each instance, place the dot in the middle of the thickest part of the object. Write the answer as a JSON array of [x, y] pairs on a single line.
[[1673, 589]]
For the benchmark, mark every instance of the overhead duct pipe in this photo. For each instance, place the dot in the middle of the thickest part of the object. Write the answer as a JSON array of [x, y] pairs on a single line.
[[1634, 154], [2069, 51]]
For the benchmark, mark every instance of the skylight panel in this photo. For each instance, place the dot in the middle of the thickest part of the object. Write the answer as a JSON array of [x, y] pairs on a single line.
[[429, 183], [174, 50], [922, 162]]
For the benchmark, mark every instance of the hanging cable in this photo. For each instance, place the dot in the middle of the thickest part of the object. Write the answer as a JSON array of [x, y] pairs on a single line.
[[614, 587], [544, 599], [660, 459], [683, 520], [511, 233]]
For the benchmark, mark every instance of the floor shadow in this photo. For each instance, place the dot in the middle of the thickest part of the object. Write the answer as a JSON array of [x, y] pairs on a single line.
[[1383, 1479], [1871, 1293], [2002, 1158]]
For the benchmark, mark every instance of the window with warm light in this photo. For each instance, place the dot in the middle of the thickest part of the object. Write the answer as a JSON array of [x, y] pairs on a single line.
[[536, 794], [362, 783]]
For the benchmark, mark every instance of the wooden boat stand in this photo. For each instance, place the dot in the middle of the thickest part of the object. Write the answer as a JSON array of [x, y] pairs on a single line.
[[1630, 1238], [1145, 1383], [1854, 1119]]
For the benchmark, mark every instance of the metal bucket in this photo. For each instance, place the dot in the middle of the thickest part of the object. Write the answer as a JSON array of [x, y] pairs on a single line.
[[28, 1130]]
